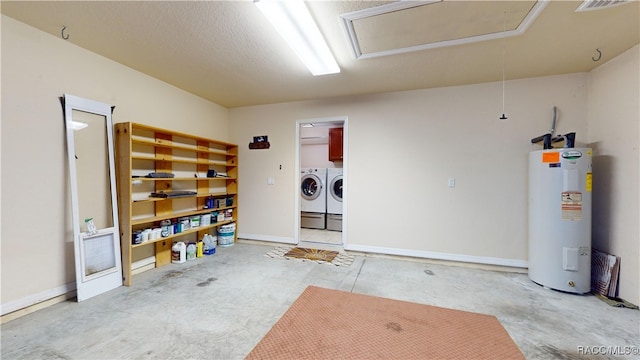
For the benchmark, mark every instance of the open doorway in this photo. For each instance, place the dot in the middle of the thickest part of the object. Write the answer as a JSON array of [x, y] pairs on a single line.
[[321, 159]]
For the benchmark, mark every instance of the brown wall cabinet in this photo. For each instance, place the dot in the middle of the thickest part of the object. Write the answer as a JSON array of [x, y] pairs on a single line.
[[335, 144]]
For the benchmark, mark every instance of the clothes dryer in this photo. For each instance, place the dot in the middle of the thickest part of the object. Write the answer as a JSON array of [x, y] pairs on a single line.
[[334, 191], [334, 199], [313, 198]]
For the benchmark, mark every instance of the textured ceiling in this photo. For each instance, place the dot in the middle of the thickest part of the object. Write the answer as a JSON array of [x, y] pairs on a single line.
[[225, 51], [434, 23]]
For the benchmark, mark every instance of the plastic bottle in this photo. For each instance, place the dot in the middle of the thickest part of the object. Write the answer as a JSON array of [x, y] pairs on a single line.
[[178, 253], [199, 249], [209, 244], [191, 251]]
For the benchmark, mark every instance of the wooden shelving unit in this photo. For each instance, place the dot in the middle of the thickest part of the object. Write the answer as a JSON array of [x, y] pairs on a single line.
[[143, 149]]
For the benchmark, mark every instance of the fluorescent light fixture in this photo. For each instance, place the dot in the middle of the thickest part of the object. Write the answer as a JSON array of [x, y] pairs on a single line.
[[294, 23], [77, 125]]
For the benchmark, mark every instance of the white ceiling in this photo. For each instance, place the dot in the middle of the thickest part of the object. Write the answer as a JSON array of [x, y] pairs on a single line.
[[225, 51]]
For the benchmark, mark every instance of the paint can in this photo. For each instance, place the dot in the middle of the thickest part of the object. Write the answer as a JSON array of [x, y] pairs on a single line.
[[136, 237], [146, 233], [165, 228], [184, 224], [226, 235]]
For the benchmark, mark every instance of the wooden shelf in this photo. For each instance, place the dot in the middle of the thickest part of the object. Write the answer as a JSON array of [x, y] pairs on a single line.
[[141, 149], [170, 158], [153, 199], [186, 232], [169, 145], [184, 178], [147, 220]]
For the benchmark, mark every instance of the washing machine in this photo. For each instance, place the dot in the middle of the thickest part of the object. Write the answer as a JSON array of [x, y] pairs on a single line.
[[313, 198], [334, 199]]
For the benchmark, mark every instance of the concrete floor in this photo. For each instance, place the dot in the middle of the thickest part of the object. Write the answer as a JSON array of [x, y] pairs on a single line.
[[328, 237], [220, 306]]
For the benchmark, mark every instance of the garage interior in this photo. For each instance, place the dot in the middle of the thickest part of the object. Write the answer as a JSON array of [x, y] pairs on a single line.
[[431, 92]]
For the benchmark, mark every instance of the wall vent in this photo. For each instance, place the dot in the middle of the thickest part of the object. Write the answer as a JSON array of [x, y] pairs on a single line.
[[599, 4]]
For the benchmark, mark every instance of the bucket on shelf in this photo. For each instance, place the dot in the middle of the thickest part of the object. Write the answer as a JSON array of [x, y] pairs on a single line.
[[226, 234]]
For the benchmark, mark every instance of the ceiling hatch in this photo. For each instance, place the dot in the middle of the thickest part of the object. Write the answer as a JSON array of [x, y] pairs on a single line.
[[407, 26]]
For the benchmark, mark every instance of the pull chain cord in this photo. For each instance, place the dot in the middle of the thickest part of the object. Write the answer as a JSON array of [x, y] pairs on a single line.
[[504, 46]]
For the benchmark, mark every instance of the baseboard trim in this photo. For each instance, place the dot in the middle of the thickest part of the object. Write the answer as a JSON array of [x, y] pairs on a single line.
[[439, 256], [460, 258], [276, 239], [66, 290]]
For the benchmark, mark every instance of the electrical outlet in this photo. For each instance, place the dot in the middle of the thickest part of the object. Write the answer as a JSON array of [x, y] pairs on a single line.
[[452, 182]]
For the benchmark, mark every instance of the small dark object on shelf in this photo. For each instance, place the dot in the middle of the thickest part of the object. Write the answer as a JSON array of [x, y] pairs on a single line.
[[173, 193], [160, 175]]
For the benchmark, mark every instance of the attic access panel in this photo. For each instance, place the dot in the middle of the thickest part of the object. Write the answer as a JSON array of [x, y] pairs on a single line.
[[407, 26]]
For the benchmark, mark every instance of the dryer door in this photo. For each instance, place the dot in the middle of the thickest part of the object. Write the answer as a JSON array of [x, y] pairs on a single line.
[[310, 187], [336, 188]]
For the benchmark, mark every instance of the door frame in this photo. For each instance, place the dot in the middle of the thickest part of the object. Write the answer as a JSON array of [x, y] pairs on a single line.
[[91, 285], [345, 183]]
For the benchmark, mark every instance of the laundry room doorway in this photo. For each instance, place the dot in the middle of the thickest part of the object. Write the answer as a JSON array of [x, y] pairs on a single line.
[[321, 186]]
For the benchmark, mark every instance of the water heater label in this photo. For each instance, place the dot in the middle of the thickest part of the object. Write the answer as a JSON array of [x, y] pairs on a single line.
[[550, 157], [572, 205], [572, 155], [588, 181]]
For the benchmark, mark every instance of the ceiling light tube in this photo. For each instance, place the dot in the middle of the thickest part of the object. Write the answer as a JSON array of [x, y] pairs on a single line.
[[292, 20]]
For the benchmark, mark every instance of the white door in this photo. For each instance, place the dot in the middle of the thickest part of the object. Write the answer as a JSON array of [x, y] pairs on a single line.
[[93, 196]]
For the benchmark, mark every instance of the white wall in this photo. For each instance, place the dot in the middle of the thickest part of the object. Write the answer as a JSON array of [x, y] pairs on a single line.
[[403, 147], [315, 156], [37, 68], [613, 110], [314, 148]]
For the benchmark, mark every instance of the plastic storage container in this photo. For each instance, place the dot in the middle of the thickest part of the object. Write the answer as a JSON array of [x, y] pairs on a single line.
[[178, 253], [191, 251], [210, 243]]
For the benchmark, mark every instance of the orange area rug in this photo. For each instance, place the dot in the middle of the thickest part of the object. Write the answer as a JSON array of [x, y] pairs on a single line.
[[332, 324]]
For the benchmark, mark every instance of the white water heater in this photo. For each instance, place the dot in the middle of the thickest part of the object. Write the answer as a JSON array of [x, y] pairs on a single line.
[[560, 219]]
